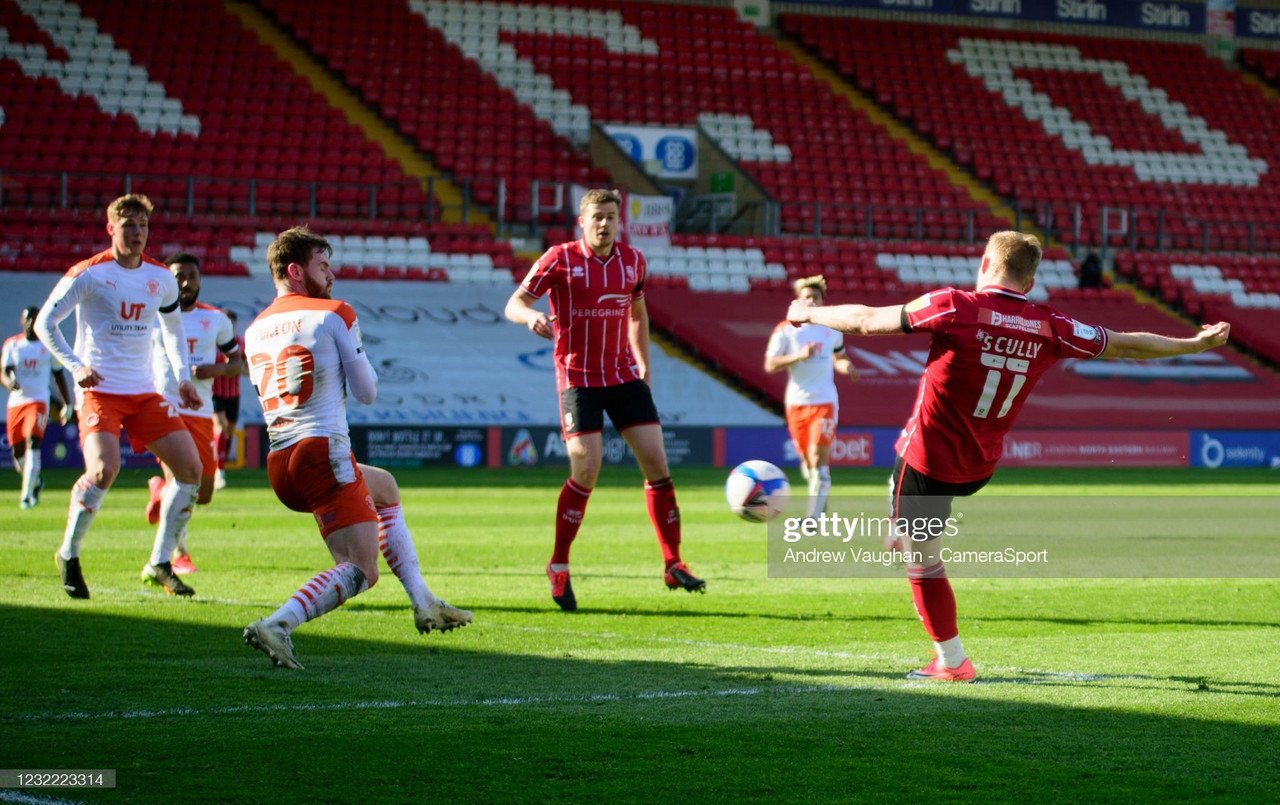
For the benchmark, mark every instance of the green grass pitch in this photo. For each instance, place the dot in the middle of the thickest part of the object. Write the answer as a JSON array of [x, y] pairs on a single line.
[[786, 689]]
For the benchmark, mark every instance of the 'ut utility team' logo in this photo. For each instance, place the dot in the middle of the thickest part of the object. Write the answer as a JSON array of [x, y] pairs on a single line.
[[131, 311]]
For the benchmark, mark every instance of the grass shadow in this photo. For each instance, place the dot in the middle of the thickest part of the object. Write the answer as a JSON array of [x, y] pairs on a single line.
[[177, 705]]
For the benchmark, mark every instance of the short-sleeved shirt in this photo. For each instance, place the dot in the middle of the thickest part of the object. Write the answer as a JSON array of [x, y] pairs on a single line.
[[811, 381], [208, 331], [296, 349], [988, 350], [591, 302], [115, 308], [33, 367]]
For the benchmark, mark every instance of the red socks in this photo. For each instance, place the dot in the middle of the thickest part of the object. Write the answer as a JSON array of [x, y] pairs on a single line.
[[224, 447], [660, 499], [569, 510], [934, 600]]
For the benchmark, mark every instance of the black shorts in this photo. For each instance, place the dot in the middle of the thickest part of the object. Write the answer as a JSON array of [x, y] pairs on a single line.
[[582, 409], [920, 504], [230, 406]]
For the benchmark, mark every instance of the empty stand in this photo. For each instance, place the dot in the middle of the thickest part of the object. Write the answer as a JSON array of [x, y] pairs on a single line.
[[1243, 290], [1158, 130], [507, 90], [438, 83]]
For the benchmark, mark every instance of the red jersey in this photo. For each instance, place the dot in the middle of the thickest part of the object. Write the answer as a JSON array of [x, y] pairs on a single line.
[[228, 387], [591, 302], [988, 350]]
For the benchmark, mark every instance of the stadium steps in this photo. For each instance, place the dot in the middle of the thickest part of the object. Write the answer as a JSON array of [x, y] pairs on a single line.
[[342, 99], [1263, 86], [936, 159]]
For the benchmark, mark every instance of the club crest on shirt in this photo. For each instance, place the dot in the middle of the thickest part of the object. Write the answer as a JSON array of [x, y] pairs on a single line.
[[630, 273], [153, 287]]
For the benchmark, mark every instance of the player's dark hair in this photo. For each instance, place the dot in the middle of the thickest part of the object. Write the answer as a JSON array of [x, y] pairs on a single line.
[[30, 312], [231, 314], [182, 257], [296, 245]]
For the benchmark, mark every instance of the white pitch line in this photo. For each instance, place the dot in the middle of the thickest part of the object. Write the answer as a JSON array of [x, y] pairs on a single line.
[[34, 799], [797, 651], [784, 650], [399, 704]]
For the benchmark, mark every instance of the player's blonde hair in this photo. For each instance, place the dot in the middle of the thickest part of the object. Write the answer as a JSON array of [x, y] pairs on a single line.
[[816, 281], [599, 196], [1015, 254], [296, 245], [131, 204]]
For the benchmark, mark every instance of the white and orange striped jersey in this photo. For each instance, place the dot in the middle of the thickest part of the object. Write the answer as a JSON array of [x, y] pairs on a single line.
[[812, 380], [207, 331], [33, 367], [303, 353], [115, 308]]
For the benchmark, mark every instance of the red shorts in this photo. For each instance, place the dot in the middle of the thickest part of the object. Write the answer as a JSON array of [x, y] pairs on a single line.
[[320, 477], [206, 446], [146, 417], [811, 425], [27, 420]]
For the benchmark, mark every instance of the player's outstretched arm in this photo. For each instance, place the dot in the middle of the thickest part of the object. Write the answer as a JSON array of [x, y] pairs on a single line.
[[520, 310], [853, 319], [1149, 345]]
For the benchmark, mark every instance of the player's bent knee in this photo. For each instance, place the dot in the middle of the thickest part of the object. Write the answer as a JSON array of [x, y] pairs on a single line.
[[381, 484], [103, 475]]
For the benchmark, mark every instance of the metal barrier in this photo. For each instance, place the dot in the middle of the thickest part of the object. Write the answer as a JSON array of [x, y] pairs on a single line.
[[200, 195]]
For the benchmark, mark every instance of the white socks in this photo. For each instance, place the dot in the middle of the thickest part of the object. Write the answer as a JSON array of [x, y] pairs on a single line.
[[85, 500], [30, 471], [175, 511], [324, 593], [819, 488], [950, 652], [397, 548]]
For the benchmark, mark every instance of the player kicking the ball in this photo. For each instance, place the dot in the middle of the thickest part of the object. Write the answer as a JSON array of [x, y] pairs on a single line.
[[304, 353], [988, 348], [601, 332]]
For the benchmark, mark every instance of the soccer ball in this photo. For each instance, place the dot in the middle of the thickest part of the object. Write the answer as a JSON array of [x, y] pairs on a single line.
[[756, 491]]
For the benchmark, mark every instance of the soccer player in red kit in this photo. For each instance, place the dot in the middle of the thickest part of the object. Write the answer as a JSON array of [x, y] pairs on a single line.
[[600, 328], [988, 348]]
